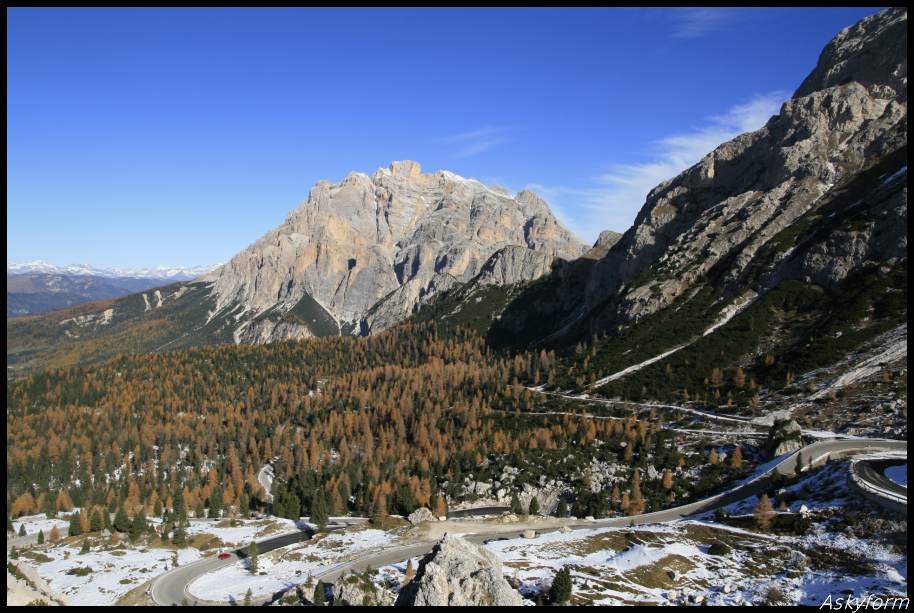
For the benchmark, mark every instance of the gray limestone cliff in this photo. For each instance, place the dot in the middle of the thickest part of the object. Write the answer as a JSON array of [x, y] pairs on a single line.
[[361, 255]]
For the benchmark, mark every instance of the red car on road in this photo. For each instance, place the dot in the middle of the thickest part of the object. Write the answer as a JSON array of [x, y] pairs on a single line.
[[225, 555]]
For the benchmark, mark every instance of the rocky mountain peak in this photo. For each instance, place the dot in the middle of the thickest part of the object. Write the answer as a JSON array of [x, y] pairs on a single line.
[[872, 52], [406, 168], [364, 253], [729, 220]]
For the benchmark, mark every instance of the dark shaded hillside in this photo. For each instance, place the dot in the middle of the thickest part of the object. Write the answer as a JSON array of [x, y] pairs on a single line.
[[811, 209], [33, 293]]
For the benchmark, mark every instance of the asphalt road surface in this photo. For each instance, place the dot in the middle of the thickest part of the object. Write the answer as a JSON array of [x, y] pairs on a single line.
[[171, 587], [873, 472]]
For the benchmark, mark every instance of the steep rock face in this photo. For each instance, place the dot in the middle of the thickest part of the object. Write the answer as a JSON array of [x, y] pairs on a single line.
[[603, 244], [459, 573], [717, 221], [368, 250], [514, 264], [866, 52]]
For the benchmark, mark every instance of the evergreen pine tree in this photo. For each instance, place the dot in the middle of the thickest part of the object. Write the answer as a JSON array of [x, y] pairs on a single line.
[[215, 503], [252, 557], [560, 592], [534, 506], [41, 537], [320, 594], [376, 517], [95, 522], [516, 508], [137, 526], [21, 529], [50, 511], [121, 521], [248, 598], [562, 510], [319, 515], [75, 525], [181, 507], [85, 548]]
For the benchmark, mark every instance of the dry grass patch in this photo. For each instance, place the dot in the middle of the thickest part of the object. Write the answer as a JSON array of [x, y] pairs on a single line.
[[657, 575], [205, 541]]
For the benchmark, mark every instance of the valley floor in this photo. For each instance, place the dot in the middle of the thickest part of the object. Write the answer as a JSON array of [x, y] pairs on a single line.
[[842, 544]]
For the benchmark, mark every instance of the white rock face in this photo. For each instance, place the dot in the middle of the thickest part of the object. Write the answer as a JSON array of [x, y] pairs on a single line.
[[369, 250], [459, 573], [421, 515]]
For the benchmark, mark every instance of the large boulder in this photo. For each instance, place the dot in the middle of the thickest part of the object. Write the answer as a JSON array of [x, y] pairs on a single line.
[[359, 590], [421, 515], [459, 573], [785, 436]]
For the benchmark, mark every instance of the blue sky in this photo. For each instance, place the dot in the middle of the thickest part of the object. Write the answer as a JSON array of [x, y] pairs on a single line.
[[169, 136]]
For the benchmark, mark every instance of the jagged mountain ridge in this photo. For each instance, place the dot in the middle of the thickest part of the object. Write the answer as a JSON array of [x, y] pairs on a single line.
[[815, 195], [358, 256], [369, 250]]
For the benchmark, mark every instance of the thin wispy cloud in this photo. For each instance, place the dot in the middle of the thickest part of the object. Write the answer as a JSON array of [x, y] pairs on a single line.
[[696, 22], [478, 141], [614, 198]]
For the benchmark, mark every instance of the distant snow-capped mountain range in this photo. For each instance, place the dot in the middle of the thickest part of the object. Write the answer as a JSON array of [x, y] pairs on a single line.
[[176, 273]]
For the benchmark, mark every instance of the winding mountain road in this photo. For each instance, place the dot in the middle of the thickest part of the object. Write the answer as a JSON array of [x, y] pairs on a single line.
[[172, 587]]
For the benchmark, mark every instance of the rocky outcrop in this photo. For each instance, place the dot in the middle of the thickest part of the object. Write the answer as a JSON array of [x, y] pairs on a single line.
[[421, 515], [813, 196], [514, 264], [357, 590], [364, 253], [603, 244], [459, 573], [735, 200], [870, 52], [785, 436]]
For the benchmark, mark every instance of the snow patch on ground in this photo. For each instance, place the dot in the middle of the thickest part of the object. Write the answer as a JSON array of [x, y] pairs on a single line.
[[288, 566], [671, 564], [896, 350], [247, 531], [633, 368], [732, 310], [115, 571], [35, 523]]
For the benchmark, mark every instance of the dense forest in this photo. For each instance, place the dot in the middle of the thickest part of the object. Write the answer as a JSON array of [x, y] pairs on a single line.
[[372, 425]]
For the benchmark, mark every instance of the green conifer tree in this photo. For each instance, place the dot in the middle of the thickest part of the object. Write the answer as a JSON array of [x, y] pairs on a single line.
[[560, 592]]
